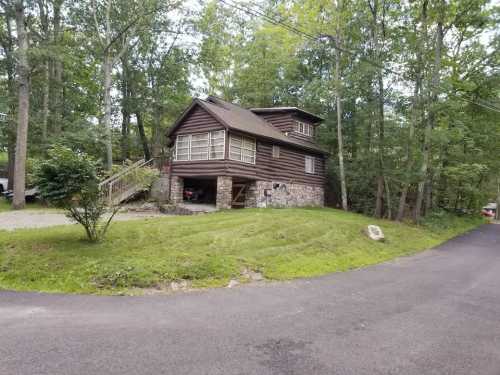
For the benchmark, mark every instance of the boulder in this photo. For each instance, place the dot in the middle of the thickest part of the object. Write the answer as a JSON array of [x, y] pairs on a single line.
[[375, 233]]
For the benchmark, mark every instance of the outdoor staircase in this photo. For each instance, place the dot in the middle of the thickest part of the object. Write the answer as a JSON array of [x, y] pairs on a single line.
[[123, 185]]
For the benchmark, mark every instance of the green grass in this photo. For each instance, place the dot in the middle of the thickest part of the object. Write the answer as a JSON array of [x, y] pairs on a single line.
[[206, 249], [5, 205]]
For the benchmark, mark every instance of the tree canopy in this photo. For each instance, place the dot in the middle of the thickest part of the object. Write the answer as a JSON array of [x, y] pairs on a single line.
[[410, 90]]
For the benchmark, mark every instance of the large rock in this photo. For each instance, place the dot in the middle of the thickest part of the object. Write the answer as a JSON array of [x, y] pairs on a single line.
[[375, 233]]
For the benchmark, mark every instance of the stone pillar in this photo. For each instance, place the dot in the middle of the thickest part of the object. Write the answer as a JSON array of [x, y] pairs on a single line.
[[224, 192], [251, 195], [176, 190]]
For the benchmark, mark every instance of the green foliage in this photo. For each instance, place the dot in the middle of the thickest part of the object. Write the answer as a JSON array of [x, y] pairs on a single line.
[[64, 175], [207, 250], [69, 180]]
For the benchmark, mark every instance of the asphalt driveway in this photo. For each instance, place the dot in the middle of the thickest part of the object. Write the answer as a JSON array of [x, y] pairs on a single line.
[[434, 313]]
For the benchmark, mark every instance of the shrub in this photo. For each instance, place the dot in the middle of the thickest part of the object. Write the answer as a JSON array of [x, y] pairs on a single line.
[[69, 180]]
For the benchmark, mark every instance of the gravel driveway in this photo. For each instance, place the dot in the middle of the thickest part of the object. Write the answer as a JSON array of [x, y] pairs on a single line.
[[39, 219]]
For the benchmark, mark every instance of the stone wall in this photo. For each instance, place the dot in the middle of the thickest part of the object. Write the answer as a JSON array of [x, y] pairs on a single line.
[[282, 194], [224, 192], [176, 190]]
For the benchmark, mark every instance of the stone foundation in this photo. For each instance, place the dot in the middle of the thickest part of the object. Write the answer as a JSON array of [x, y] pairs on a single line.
[[282, 194], [259, 194], [224, 192], [176, 190]]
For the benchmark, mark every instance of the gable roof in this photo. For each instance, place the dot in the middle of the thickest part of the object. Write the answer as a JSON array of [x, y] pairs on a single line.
[[237, 118]]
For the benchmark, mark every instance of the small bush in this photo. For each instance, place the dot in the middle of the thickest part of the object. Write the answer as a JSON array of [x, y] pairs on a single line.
[[69, 180]]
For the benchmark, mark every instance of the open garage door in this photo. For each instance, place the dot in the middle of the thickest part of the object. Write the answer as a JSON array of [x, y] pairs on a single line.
[[200, 190]]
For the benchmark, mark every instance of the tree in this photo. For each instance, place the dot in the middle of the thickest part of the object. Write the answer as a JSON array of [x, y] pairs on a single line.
[[23, 72], [68, 179]]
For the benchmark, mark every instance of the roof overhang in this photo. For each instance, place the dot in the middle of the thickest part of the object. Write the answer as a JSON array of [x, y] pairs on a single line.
[[303, 113]]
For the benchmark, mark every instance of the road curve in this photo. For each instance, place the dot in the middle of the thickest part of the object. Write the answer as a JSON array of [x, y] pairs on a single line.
[[434, 313]]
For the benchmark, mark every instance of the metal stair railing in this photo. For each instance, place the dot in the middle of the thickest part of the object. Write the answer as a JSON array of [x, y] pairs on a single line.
[[123, 185]]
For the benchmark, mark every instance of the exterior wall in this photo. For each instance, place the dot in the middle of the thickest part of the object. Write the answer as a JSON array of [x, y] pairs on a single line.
[[176, 190], [198, 121], [289, 167], [224, 192], [282, 194], [286, 123]]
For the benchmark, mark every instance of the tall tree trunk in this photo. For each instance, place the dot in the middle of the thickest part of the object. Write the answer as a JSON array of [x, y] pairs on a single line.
[[44, 23], [125, 133], [409, 151], [18, 201], [381, 178], [142, 135], [125, 110], [157, 131], [338, 92], [8, 48], [431, 103], [107, 71], [57, 73], [45, 102]]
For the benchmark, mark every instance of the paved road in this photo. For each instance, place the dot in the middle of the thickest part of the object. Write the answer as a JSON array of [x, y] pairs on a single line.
[[434, 313]]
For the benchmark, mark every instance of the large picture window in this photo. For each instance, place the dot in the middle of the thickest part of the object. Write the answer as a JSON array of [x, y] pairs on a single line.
[[242, 149], [202, 146]]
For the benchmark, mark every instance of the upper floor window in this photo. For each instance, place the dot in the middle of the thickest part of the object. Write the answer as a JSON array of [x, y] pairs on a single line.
[[202, 146], [310, 160], [304, 128], [242, 149], [276, 151]]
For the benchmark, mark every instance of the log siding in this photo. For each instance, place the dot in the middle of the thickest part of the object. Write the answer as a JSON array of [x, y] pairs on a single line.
[[288, 167]]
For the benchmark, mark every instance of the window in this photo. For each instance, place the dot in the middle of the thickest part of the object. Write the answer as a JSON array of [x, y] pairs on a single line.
[[276, 152], [306, 129], [310, 164], [199, 146], [217, 143], [242, 149], [203, 146], [182, 147]]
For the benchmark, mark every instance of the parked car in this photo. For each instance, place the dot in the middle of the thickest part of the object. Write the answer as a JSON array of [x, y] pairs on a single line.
[[30, 194], [489, 210], [192, 194], [3, 184]]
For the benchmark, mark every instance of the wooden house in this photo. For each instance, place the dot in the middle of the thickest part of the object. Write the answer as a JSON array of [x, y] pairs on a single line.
[[236, 157]]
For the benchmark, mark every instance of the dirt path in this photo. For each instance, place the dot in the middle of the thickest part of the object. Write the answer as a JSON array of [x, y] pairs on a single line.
[[40, 219]]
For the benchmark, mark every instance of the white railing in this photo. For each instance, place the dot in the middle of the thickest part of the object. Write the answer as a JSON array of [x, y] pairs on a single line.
[[124, 184]]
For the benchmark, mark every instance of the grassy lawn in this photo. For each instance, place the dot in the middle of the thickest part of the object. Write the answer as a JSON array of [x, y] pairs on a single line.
[[5, 205], [208, 249]]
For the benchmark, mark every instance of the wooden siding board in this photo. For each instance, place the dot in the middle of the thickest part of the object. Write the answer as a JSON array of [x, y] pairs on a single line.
[[198, 121]]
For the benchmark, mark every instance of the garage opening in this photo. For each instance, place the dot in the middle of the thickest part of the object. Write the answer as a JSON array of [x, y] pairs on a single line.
[[200, 190]]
